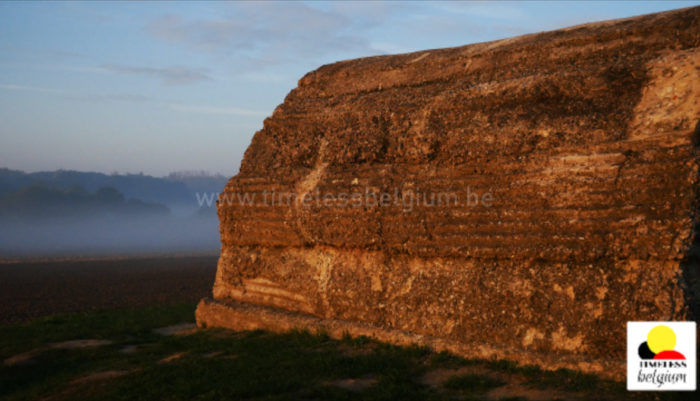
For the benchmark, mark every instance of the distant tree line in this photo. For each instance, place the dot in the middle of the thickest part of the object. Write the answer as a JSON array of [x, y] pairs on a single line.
[[70, 194], [42, 202]]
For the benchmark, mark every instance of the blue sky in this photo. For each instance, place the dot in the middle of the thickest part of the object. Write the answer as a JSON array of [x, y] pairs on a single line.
[[156, 87]]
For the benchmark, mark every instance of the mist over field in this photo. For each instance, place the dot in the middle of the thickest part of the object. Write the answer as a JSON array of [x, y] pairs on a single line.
[[69, 213], [109, 236]]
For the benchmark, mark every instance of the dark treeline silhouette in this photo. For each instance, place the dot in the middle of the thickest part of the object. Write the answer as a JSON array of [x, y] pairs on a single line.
[[177, 190], [38, 203], [70, 213]]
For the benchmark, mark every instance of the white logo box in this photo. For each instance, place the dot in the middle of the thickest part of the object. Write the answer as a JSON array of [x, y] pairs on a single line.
[[660, 374]]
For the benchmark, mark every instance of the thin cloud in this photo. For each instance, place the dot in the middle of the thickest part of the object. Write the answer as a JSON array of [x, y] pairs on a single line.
[[111, 97], [89, 97], [264, 34], [483, 9], [262, 76], [24, 88], [234, 111], [176, 75]]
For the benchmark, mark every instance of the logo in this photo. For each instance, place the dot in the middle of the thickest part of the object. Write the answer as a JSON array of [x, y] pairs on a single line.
[[660, 345], [661, 356]]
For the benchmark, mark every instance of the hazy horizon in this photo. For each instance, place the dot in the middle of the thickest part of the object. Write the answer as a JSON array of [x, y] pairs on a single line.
[[117, 172], [162, 87], [71, 213]]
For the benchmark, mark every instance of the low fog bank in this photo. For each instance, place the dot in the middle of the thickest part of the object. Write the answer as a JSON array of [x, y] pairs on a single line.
[[67, 213], [107, 236]]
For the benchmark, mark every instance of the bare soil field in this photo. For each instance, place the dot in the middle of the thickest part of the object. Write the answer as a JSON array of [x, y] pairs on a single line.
[[142, 344], [31, 289]]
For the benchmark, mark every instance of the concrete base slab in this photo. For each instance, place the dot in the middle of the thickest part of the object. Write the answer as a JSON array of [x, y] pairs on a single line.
[[241, 316]]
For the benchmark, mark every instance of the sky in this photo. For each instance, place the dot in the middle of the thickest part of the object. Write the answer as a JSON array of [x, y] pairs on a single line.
[[156, 87]]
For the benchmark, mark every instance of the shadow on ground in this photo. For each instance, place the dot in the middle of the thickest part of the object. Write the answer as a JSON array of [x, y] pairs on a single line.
[[156, 353]]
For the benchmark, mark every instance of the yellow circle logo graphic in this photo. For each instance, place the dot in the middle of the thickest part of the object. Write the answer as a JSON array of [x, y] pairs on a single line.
[[661, 338], [660, 344]]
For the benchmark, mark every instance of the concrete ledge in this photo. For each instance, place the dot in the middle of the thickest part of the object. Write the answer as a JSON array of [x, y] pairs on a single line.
[[241, 316]]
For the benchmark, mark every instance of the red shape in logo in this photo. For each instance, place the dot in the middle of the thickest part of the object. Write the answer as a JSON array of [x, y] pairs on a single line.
[[669, 355]]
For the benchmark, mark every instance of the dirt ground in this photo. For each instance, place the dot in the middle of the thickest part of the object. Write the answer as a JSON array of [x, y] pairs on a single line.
[[31, 289]]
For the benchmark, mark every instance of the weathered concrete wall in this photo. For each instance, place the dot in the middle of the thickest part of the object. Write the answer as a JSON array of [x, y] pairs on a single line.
[[516, 199]]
